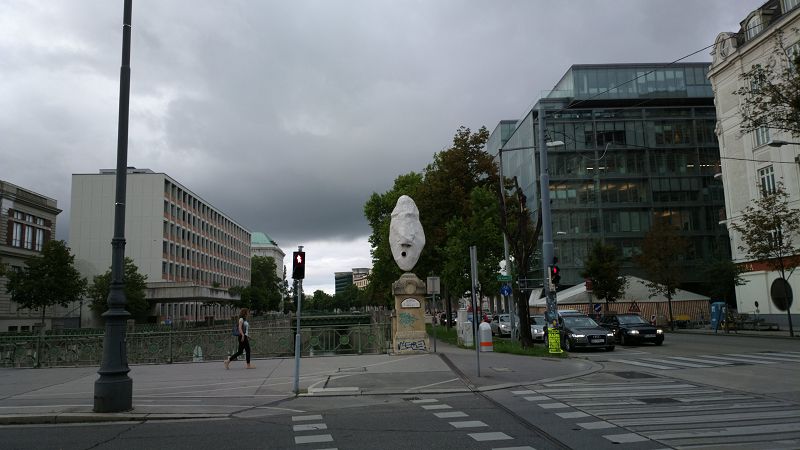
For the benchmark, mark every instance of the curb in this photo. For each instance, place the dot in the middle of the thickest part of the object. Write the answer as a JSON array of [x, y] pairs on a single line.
[[746, 333], [64, 418]]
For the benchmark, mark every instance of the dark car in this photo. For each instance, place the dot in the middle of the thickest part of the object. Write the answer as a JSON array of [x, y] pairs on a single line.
[[581, 331], [632, 329]]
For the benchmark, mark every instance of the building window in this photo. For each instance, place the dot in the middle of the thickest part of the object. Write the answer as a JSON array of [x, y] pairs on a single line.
[[16, 236], [761, 136], [767, 180], [39, 239], [753, 27], [788, 5], [29, 237]]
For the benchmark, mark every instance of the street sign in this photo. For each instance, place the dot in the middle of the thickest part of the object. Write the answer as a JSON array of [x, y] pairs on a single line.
[[553, 340], [505, 290], [634, 307], [597, 307], [433, 285], [504, 278]]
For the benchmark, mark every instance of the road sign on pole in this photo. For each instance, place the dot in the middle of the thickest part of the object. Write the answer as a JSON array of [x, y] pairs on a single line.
[[504, 278], [505, 290]]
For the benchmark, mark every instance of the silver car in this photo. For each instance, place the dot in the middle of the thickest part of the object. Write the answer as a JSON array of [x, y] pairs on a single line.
[[537, 328], [501, 325]]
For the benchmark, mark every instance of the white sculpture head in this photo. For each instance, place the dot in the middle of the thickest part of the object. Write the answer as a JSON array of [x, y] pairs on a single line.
[[406, 237]]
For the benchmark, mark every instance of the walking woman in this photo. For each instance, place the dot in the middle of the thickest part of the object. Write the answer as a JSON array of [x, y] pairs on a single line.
[[244, 340]]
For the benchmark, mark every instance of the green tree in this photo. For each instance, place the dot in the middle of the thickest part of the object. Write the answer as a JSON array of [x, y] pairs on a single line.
[[320, 301], [602, 268], [135, 285], [523, 239], [770, 92], [722, 276], [265, 285], [663, 252], [767, 229], [48, 279]]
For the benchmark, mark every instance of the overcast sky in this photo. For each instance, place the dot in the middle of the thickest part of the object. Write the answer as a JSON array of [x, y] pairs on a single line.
[[288, 115]]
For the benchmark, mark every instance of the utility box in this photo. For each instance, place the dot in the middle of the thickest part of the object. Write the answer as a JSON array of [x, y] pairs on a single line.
[[718, 311]]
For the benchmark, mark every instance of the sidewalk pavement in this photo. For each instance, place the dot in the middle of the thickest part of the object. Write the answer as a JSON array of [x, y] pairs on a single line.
[[782, 334], [207, 390]]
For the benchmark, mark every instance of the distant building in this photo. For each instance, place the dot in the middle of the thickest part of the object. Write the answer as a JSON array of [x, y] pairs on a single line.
[[361, 277], [263, 245], [639, 146], [750, 165], [190, 251], [342, 280], [27, 222]]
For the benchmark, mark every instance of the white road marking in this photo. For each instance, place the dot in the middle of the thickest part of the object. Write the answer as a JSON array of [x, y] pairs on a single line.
[[553, 405], [313, 439], [425, 400], [572, 415], [306, 418], [625, 438], [468, 424], [450, 414], [495, 436], [429, 407], [310, 427], [596, 425]]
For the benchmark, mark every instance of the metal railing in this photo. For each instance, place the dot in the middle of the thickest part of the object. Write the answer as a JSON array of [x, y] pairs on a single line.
[[159, 347]]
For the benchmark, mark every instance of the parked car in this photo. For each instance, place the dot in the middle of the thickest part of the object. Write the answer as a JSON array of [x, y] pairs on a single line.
[[581, 331], [632, 329], [537, 327], [501, 325]]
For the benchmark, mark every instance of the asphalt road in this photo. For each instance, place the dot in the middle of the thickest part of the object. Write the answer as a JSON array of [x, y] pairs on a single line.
[[695, 391]]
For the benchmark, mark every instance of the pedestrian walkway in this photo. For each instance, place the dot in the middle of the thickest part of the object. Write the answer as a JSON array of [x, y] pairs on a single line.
[[708, 361], [207, 390]]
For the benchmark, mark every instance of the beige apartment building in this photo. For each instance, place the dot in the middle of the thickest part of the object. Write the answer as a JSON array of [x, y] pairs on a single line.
[[190, 251], [751, 162]]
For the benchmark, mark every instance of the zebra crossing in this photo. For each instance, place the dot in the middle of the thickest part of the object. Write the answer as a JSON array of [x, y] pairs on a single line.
[[710, 361], [310, 423], [480, 434], [672, 413]]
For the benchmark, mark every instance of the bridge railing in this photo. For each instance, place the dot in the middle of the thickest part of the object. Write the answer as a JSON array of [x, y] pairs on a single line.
[[159, 347]]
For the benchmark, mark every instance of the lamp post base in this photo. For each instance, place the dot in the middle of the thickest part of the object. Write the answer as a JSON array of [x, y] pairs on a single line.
[[113, 393]]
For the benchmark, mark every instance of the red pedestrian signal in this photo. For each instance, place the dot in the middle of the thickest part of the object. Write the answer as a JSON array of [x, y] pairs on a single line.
[[298, 265]]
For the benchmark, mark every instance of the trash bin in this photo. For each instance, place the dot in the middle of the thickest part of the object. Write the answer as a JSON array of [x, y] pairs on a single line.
[[717, 315], [485, 333]]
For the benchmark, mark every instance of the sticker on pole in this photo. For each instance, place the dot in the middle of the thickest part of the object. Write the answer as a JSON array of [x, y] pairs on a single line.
[[554, 340]]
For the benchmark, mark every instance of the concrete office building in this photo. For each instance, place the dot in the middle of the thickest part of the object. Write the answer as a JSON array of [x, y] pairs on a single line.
[[750, 165], [190, 251], [27, 222], [639, 147], [263, 245], [342, 280]]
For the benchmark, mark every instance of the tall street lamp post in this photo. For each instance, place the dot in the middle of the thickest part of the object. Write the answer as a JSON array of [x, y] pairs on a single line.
[[547, 225], [113, 391]]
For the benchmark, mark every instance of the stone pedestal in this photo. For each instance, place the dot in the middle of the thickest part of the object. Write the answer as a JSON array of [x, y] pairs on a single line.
[[409, 321]]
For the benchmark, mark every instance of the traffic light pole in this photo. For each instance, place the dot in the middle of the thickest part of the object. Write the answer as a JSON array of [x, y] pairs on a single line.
[[547, 226], [298, 291]]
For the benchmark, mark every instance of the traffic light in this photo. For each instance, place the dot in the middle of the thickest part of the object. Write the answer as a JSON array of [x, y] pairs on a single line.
[[555, 276], [298, 265]]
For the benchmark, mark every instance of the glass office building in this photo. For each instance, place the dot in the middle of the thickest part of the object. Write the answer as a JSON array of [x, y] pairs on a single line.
[[639, 145]]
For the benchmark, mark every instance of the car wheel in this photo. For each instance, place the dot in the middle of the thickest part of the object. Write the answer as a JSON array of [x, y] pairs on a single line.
[[659, 342], [623, 339], [568, 345], [610, 349]]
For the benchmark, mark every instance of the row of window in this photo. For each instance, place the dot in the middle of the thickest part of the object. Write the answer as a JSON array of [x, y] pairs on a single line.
[[195, 258], [580, 135], [27, 231], [574, 252], [573, 193], [181, 272], [236, 242], [178, 233], [203, 211], [676, 161]]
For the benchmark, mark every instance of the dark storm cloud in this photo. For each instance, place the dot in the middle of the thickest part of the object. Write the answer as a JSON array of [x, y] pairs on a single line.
[[288, 115]]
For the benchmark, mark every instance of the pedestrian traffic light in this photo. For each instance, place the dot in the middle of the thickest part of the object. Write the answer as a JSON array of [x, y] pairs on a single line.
[[298, 265], [555, 275]]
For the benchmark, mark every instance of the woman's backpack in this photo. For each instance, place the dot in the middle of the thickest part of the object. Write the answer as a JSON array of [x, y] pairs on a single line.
[[235, 329]]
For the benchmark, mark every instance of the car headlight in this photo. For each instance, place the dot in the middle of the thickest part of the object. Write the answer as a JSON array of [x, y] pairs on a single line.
[[610, 334], [634, 332], [660, 331], [577, 335]]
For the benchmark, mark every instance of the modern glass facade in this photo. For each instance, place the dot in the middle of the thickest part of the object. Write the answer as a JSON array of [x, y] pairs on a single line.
[[639, 146]]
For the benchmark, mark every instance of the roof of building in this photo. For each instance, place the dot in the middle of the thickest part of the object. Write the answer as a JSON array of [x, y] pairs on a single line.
[[259, 238], [636, 290]]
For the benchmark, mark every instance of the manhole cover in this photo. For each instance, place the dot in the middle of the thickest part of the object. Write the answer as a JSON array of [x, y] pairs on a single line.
[[632, 375], [658, 400]]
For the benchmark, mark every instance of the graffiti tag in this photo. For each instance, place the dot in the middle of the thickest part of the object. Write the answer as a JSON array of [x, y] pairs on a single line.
[[418, 345]]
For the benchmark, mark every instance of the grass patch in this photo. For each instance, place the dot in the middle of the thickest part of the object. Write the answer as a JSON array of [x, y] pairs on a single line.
[[449, 336]]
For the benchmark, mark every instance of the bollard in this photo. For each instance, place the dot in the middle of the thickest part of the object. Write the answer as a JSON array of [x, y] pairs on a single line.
[[485, 332]]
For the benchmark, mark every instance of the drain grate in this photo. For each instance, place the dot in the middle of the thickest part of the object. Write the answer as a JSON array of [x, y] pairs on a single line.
[[632, 375]]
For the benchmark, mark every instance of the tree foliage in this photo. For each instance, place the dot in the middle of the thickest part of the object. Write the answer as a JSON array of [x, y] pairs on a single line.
[[266, 289], [48, 279], [523, 239], [602, 268], [135, 285], [771, 92], [722, 276], [663, 251]]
